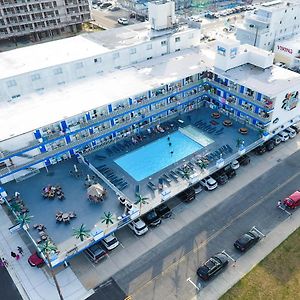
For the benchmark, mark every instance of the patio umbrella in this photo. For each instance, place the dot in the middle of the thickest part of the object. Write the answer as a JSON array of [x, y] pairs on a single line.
[[96, 190]]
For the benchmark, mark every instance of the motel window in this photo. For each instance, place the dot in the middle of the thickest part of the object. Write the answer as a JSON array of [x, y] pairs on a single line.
[[116, 55], [11, 83], [97, 60], [132, 50], [79, 65], [35, 77], [163, 43], [177, 39], [57, 71], [149, 46]]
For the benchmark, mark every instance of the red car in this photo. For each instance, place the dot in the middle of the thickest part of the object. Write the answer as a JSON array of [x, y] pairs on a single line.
[[293, 200], [35, 260]]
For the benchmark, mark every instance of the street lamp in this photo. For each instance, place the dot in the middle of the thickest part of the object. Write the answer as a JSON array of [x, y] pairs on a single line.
[[253, 26]]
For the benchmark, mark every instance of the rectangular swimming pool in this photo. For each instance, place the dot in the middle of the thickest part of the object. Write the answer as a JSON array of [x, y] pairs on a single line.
[[157, 155]]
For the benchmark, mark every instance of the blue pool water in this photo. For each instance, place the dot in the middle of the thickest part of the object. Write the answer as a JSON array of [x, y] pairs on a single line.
[[156, 156]]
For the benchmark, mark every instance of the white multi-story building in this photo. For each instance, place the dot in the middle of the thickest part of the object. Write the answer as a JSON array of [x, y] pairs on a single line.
[[67, 95], [288, 52], [270, 22], [39, 19], [107, 86]]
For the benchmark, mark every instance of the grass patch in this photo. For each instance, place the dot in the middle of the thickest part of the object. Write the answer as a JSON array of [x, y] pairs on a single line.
[[277, 276]]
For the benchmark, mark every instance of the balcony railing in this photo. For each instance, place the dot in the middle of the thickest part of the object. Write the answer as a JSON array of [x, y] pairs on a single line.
[[240, 95], [41, 157]]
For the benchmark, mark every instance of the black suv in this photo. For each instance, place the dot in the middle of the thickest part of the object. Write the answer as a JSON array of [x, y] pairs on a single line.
[[220, 177], [246, 241], [270, 145], [187, 195], [244, 160], [163, 211], [213, 266], [229, 171], [151, 218], [260, 150]]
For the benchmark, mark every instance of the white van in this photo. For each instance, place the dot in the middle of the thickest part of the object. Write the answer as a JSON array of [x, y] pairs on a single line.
[[283, 136], [291, 132]]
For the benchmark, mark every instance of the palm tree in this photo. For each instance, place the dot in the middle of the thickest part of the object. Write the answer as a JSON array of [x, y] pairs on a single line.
[[202, 165], [81, 232], [23, 219], [108, 218], [141, 200], [186, 173], [46, 248], [16, 207]]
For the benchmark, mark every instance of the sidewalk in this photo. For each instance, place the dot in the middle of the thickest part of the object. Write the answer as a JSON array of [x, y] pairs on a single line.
[[248, 261], [34, 283]]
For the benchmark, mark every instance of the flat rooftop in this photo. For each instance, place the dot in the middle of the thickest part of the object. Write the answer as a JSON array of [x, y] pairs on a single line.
[[270, 81], [53, 105], [62, 102], [35, 57]]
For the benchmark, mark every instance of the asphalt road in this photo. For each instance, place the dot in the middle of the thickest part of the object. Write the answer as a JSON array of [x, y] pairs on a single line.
[[162, 272], [7, 287]]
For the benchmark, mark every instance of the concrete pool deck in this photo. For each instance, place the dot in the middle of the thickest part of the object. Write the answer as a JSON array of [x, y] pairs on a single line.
[[43, 210]]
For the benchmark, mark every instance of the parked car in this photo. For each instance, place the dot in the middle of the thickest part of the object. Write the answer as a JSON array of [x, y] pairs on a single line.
[[138, 226], [260, 150], [270, 145], [244, 160], [35, 260], [209, 183], [213, 266], [277, 140], [296, 127], [110, 242], [187, 195], [105, 5], [151, 218], [246, 241], [235, 164], [95, 6], [198, 188], [293, 200], [283, 136], [114, 8], [96, 253], [221, 177], [123, 21], [229, 171], [291, 132], [163, 211]]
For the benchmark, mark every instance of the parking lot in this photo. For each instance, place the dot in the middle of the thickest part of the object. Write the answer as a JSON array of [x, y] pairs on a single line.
[[158, 264]]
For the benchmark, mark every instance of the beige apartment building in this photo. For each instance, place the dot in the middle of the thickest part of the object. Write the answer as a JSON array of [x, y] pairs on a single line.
[[38, 19]]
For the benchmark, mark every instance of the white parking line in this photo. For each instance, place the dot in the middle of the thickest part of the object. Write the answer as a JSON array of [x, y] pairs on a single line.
[[122, 245], [258, 231], [282, 208], [195, 286], [225, 253]]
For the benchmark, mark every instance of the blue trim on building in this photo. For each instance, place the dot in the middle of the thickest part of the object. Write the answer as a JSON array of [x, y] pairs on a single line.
[[43, 149], [87, 116], [63, 125], [109, 108], [37, 134], [242, 88], [97, 138], [68, 139], [258, 96]]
